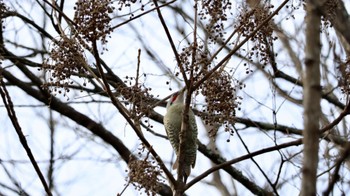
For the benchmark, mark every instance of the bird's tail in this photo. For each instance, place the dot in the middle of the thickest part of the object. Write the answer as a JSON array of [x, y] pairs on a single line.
[[186, 169]]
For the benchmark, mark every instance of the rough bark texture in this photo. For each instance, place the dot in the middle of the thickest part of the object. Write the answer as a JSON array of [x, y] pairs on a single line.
[[312, 95]]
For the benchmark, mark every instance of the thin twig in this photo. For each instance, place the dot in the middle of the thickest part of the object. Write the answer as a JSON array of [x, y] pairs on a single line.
[[136, 86], [144, 13], [51, 168], [257, 165], [236, 160], [12, 115], [194, 48], [167, 32], [335, 176], [338, 119]]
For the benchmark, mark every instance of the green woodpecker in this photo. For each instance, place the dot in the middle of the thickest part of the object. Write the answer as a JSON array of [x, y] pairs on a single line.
[[172, 124]]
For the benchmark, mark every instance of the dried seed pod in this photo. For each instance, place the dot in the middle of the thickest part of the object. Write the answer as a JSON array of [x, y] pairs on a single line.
[[92, 20], [221, 98]]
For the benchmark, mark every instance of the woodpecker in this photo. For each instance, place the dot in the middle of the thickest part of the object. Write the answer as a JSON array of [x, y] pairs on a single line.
[[172, 124]]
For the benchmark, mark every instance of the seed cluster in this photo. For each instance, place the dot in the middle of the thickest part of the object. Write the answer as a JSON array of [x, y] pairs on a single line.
[[215, 12], [219, 90], [66, 59], [262, 41], [91, 24], [92, 20], [201, 60], [138, 95], [222, 100], [144, 175], [3, 9], [126, 3]]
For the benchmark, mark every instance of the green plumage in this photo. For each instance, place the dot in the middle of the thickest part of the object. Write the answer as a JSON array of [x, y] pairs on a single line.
[[172, 123]]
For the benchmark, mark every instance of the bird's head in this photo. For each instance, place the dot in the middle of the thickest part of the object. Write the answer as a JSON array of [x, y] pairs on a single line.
[[177, 97]]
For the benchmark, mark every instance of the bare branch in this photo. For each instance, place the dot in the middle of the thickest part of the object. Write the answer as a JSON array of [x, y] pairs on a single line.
[[12, 115]]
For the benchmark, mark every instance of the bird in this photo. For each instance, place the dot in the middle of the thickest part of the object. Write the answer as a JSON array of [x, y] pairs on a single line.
[[172, 123]]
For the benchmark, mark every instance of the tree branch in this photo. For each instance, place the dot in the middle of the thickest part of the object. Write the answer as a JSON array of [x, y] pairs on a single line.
[[12, 115]]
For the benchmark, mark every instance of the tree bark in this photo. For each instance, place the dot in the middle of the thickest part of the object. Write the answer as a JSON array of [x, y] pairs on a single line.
[[312, 96]]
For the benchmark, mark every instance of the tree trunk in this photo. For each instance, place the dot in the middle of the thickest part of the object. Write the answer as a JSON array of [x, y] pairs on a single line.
[[312, 95]]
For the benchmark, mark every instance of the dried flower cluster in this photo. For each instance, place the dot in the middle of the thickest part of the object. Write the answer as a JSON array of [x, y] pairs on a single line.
[[222, 100], [92, 23], [248, 21], [196, 64], [66, 59], [92, 20], [144, 175], [215, 13], [138, 95]]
